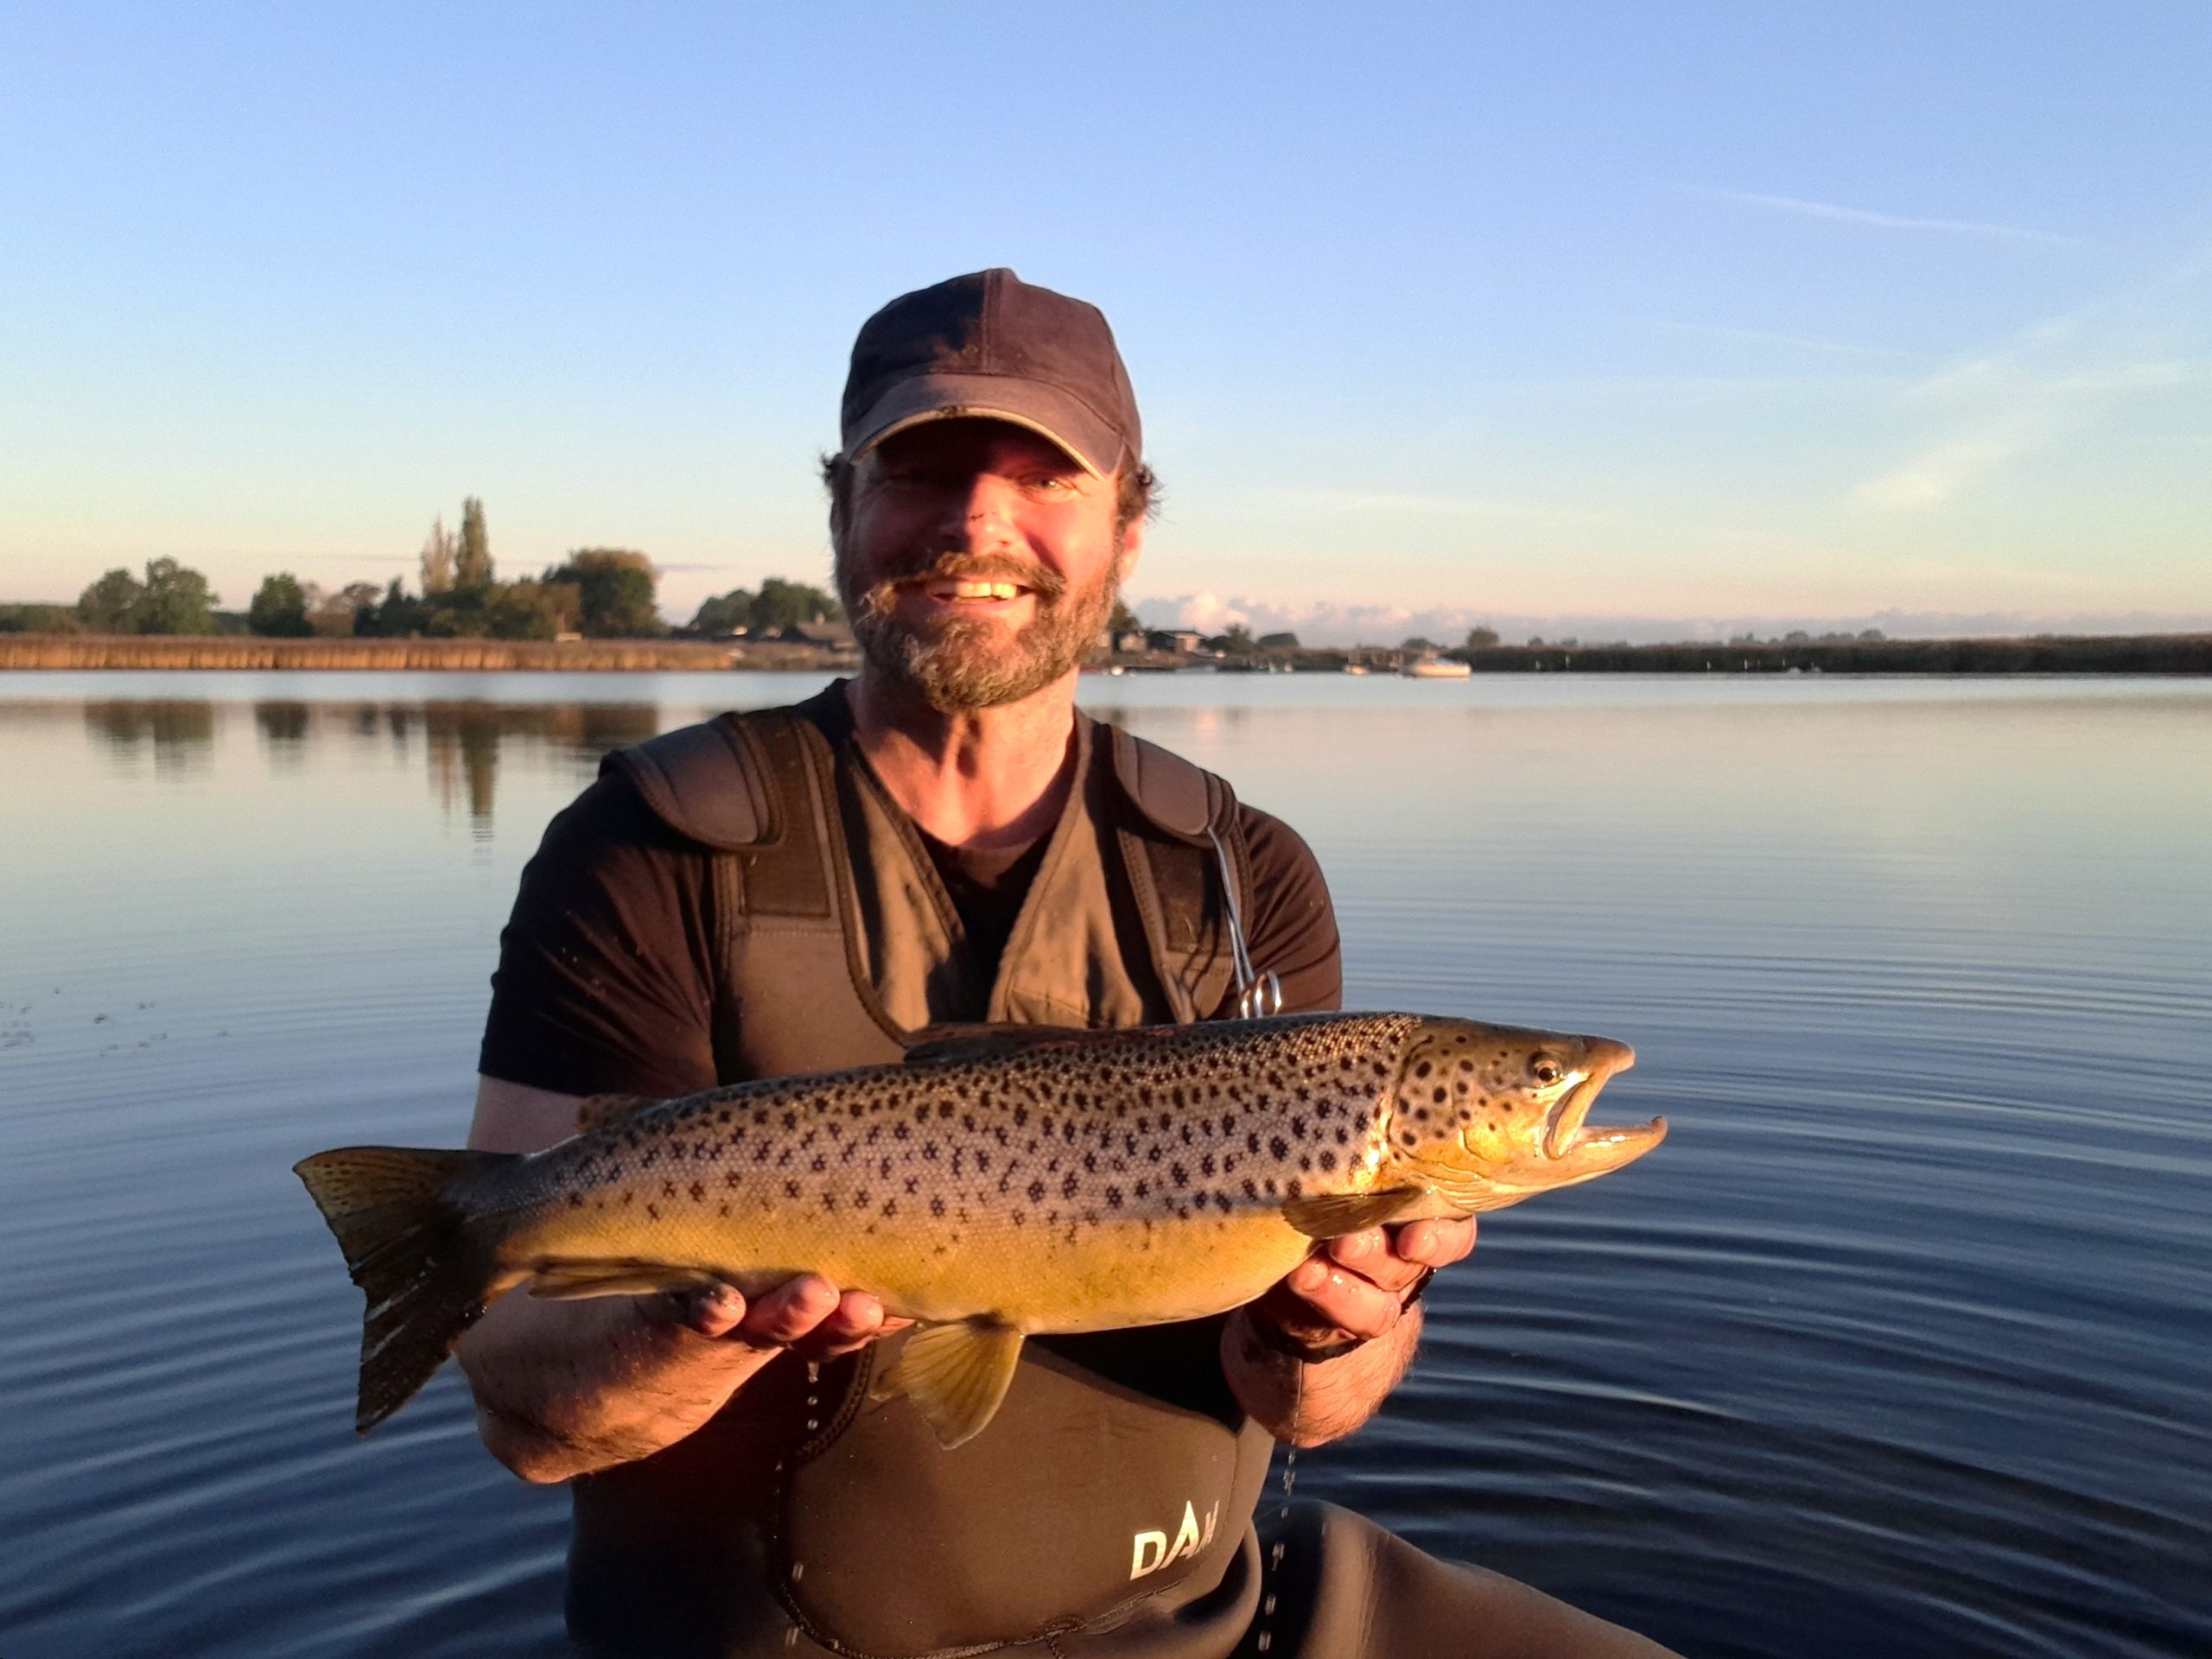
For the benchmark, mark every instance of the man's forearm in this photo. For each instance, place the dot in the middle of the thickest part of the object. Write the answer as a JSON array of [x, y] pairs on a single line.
[[1310, 1402], [563, 1388]]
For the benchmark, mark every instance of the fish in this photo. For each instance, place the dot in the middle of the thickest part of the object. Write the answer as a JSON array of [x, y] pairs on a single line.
[[998, 1183]]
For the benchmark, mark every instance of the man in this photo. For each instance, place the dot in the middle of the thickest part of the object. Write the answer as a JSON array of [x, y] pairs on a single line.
[[944, 838]]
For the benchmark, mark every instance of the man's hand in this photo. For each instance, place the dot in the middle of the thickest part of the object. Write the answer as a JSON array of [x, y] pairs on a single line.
[[1355, 1288], [807, 1315], [1352, 1291]]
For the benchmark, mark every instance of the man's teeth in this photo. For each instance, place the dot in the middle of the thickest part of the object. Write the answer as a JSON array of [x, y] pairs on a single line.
[[972, 590]]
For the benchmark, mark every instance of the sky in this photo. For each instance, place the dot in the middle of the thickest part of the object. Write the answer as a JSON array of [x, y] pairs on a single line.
[[1623, 321]]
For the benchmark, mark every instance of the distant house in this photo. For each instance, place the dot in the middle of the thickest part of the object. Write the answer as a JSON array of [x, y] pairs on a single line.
[[1127, 640], [829, 636], [1187, 642]]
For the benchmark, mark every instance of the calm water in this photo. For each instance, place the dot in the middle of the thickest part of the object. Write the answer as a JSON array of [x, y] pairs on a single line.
[[1899, 1346]]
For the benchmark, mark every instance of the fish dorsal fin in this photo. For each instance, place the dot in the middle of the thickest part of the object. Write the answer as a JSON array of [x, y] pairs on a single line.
[[1332, 1215], [955, 1375], [597, 1111], [935, 1044]]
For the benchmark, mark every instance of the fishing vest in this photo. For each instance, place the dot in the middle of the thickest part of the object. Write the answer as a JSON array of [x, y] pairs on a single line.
[[1107, 1509]]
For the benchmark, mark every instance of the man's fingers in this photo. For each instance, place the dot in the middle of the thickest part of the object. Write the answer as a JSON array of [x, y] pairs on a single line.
[[857, 1320], [712, 1310], [1435, 1243], [790, 1311], [1340, 1300]]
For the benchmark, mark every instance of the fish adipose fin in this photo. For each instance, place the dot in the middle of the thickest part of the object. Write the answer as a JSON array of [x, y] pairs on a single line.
[[597, 1111], [574, 1282], [1332, 1215], [427, 1273], [955, 1375]]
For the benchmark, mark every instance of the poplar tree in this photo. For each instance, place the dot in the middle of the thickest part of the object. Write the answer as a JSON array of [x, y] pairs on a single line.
[[472, 560], [438, 560]]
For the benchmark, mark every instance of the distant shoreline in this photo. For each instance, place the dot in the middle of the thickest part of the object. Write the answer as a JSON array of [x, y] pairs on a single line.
[[2151, 654]]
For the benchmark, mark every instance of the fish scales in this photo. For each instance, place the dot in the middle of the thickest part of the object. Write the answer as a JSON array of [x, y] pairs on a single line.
[[1127, 1189], [1003, 1182]]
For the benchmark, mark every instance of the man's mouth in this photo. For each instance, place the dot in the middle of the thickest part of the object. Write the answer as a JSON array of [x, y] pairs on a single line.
[[953, 589]]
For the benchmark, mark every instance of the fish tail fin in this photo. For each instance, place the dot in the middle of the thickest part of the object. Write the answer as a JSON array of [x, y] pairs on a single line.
[[426, 1271]]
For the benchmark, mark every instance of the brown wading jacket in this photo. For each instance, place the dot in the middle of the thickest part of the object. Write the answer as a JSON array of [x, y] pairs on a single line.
[[1107, 1509]]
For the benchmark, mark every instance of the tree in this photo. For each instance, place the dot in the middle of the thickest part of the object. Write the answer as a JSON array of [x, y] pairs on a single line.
[[615, 592], [176, 600], [396, 616], [337, 616], [111, 605], [438, 560], [1236, 641], [279, 609], [780, 603], [472, 557], [529, 610], [1418, 644], [1124, 620], [1481, 639], [1278, 642], [725, 613]]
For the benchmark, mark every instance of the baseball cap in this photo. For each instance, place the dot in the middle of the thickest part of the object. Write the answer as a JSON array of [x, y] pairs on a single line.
[[989, 345]]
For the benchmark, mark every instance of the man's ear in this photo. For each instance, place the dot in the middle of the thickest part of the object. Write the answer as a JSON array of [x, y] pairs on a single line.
[[1132, 544]]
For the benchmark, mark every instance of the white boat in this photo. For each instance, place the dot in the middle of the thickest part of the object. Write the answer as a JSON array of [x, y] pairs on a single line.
[[1435, 668]]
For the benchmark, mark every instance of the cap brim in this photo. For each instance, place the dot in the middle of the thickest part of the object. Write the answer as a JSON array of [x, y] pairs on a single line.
[[1066, 420]]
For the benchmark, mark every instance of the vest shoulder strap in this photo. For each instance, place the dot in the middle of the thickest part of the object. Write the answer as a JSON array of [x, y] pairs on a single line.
[[705, 782], [1175, 796]]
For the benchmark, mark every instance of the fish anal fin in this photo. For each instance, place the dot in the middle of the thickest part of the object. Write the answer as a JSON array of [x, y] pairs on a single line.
[[955, 1375], [1332, 1215], [597, 1111], [577, 1280]]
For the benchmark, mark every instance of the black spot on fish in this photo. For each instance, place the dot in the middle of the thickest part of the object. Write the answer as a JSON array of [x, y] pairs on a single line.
[[936, 1206], [791, 1188], [820, 1163], [1279, 1147], [1113, 1198], [1036, 1192], [698, 1191]]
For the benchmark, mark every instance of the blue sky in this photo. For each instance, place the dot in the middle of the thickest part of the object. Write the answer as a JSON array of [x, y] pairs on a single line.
[[1623, 318]]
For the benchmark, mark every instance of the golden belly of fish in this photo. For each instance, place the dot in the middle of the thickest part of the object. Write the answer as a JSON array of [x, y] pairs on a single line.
[[1000, 1183]]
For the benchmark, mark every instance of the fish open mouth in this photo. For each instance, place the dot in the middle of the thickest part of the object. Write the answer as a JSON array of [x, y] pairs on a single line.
[[1567, 1131]]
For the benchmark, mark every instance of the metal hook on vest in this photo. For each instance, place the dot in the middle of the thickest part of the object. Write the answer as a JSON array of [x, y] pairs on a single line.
[[1257, 994]]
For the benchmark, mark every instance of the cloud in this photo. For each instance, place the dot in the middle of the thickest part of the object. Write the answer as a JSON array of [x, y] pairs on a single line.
[[1871, 220], [1326, 623]]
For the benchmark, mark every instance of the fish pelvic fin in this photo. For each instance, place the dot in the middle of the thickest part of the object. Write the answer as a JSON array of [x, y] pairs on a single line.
[[955, 1375], [427, 1272], [1332, 1215]]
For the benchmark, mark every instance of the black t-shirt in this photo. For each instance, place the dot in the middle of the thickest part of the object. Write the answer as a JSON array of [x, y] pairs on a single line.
[[607, 965]]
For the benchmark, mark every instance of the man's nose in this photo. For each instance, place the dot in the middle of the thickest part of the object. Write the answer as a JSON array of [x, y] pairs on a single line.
[[979, 510]]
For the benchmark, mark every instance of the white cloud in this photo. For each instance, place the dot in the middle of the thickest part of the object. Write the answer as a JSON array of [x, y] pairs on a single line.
[[1872, 220]]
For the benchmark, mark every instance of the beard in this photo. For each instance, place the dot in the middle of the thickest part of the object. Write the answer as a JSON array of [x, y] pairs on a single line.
[[962, 663]]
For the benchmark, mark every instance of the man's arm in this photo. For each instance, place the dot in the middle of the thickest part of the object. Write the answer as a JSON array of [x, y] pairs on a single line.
[[563, 1388], [1353, 1292]]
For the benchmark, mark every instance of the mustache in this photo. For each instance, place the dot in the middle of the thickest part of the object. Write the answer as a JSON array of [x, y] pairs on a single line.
[[1047, 585]]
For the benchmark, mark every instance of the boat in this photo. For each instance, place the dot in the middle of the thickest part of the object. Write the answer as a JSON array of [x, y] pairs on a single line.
[[1435, 668]]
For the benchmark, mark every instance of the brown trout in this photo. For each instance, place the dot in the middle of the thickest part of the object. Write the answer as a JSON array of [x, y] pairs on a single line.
[[1001, 1182]]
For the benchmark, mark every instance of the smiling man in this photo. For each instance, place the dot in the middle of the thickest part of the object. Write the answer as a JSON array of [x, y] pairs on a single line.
[[944, 838]]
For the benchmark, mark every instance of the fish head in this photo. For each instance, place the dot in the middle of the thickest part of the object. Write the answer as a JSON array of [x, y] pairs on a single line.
[[1487, 1114]]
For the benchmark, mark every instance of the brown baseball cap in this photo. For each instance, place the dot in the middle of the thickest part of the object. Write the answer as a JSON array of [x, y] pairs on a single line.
[[990, 346]]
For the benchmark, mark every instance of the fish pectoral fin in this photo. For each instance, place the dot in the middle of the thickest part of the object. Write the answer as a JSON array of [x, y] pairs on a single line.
[[1332, 1215], [574, 1282], [955, 1375], [597, 1111]]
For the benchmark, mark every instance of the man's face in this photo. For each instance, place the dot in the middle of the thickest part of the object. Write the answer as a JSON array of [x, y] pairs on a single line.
[[978, 560]]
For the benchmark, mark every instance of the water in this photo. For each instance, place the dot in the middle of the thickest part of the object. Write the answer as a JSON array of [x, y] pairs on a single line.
[[1898, 1346]]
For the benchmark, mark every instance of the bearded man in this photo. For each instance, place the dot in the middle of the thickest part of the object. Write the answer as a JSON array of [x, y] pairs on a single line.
[[944, 838]]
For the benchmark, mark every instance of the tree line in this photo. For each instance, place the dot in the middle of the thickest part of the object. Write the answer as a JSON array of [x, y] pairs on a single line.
[[601, 593]]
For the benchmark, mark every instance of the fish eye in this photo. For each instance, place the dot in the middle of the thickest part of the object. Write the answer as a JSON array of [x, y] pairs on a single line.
[[1547, 1071]]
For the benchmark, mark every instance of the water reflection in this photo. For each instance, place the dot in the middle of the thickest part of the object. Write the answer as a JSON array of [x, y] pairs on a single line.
[[178, 735], [461, 741]]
